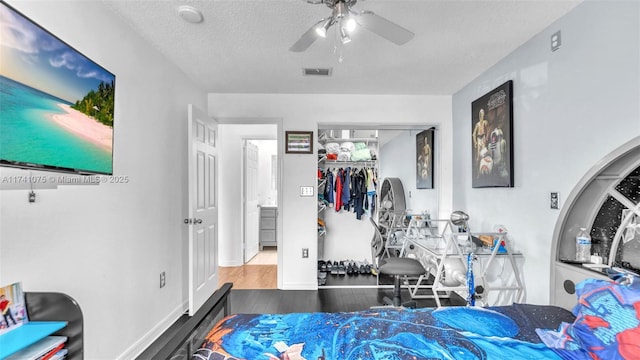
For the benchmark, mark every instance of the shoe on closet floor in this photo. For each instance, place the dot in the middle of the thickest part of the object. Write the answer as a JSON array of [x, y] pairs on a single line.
[[322, 265], [354, 267], [362, 269], [322, 278], [334, 268]]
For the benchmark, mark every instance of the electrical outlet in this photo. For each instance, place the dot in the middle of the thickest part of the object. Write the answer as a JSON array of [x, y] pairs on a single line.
[[555, 200], [305, 253], [162, 280]]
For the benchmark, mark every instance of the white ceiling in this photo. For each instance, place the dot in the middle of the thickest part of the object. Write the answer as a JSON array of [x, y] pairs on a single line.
[[242, 46]]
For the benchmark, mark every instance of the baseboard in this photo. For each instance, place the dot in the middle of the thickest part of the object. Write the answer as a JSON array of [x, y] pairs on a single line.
[[299, 286], [147, 339], [231, 263]]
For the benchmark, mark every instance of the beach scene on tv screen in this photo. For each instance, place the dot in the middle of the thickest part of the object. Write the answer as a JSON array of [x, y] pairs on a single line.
[[57, 105]]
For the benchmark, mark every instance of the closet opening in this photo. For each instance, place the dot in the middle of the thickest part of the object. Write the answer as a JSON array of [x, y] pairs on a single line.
[[353, 161]]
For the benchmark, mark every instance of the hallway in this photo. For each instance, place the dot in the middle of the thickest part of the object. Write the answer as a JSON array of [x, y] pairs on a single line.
[[259, 273]]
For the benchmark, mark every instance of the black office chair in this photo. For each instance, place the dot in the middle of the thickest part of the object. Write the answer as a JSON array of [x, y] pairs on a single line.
[[394, 266]]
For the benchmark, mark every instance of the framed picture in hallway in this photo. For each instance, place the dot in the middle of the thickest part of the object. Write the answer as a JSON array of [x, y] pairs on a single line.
[[299, 142], [424, 159], [492, 138]]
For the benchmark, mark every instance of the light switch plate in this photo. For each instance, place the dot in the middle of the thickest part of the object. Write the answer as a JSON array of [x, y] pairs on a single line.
[[306, 191], [556, 40], [555, 200]]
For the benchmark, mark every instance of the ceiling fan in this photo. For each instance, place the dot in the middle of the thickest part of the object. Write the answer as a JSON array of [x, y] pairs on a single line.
[[347, 21]]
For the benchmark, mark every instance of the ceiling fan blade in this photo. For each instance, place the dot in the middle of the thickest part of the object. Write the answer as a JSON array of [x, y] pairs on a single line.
[[384, 28], [306, 39]]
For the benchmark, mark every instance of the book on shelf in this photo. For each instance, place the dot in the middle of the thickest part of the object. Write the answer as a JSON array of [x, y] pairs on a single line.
[[44, 349]]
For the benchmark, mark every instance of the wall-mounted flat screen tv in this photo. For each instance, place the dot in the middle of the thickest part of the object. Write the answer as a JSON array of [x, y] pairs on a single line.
[[56, 105]]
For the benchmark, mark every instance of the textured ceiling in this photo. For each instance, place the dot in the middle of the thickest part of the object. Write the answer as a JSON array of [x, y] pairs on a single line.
[[242, 45]]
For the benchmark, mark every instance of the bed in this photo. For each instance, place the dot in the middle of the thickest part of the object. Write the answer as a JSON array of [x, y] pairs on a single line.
[[444, 333], [603, 325]]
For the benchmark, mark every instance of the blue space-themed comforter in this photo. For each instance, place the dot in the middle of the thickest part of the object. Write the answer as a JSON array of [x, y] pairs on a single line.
[[447, 333]]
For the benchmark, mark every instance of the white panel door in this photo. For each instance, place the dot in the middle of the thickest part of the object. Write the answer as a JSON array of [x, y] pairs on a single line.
[[203, 207], [251, 209]]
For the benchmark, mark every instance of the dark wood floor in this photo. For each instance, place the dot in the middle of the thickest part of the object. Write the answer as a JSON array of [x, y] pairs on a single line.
[[325, 300]]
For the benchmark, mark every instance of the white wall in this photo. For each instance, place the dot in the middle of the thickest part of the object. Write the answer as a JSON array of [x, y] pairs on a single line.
[[105, 245], [230, 220], [398, 159], [347, 238], [304, 112], [571, 108]]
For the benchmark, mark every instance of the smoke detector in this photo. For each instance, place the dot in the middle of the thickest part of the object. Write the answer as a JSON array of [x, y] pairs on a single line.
[[190, 14]]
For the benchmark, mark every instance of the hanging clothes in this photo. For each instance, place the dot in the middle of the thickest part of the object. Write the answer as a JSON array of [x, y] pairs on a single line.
[[371, 180], [346, 191], [354, 179], [322, 186], [371, 190], [328, 189], [359, 185], [338, 187]]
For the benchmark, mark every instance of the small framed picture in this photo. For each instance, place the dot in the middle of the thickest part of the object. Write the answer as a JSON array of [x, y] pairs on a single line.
[[424, 159], [299, 142]]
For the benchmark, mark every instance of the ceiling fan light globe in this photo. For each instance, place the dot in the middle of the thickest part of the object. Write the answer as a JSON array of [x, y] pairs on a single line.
[[323, 26], [350, 24], [321, 31]]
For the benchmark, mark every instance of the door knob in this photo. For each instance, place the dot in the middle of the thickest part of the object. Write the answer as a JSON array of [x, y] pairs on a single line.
[[198, 221], [187, 221]]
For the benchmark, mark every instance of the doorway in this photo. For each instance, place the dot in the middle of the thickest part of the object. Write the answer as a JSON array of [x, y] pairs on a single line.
[[260, 201], [250, 183]]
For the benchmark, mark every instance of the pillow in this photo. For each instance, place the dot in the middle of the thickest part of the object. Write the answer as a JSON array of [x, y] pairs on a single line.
[[344, 156], [332, 148], [607, 324], [360, 145], [347, 146], [361, 155]]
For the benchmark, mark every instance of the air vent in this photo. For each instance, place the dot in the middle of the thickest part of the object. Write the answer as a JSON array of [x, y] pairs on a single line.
[[316, 72]]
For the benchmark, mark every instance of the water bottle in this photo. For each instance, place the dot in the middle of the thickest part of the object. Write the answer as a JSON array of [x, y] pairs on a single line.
[[583, 245], [471, 296]]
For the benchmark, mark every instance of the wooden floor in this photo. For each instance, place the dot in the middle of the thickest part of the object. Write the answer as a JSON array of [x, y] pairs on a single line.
[[255, 291], [326, 300], [249, 276]]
